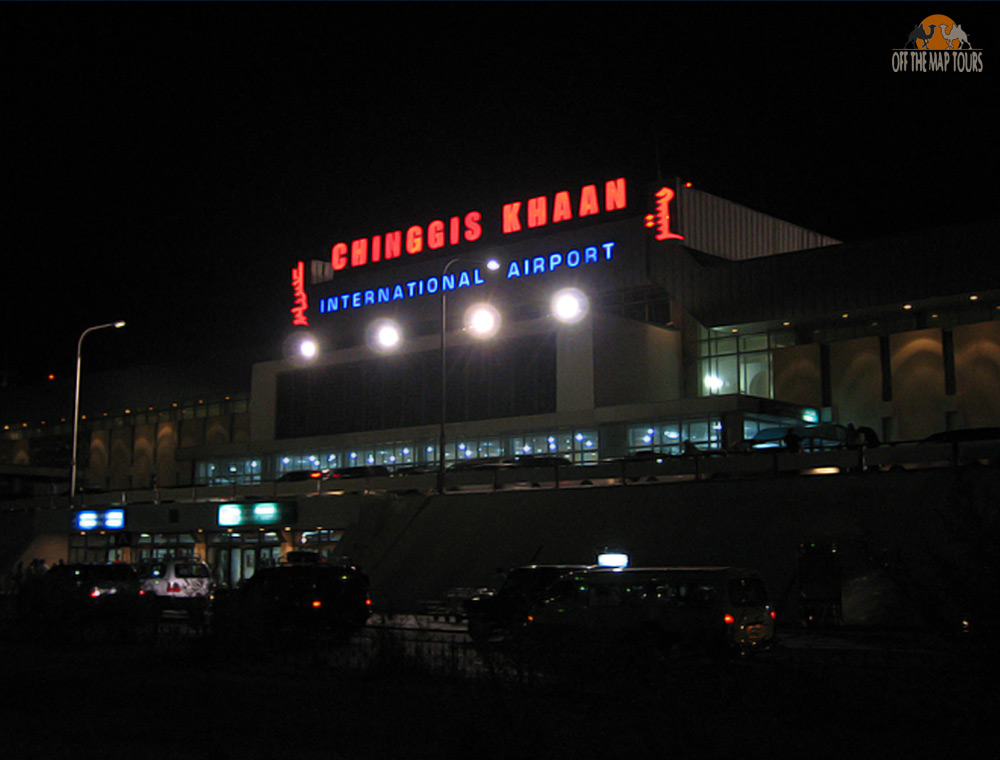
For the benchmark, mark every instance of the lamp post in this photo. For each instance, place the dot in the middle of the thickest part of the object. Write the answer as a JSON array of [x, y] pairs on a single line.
[[481, 326], [76, 402]]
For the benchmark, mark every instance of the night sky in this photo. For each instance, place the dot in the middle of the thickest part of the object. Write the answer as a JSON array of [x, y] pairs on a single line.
[[168, 163]]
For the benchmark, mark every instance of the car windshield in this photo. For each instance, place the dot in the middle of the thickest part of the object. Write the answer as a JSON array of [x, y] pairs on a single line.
[[532, 581], [191, 570], [747, 592]]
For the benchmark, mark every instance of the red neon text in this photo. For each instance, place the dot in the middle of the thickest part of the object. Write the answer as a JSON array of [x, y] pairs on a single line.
[[298, 311], [415, 239], [536, 210]]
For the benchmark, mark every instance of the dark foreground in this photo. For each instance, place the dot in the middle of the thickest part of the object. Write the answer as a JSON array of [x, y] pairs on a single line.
[[186, 698]]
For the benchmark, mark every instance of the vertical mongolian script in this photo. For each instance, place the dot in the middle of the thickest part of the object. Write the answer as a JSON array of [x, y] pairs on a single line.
[[660, 221], [301, 301]]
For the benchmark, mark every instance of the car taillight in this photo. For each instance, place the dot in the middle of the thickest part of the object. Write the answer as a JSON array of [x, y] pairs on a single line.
[[95, 592], [317, 603], [142, 592], [774, 614], [368, 601], [728, 619], [173, 588]]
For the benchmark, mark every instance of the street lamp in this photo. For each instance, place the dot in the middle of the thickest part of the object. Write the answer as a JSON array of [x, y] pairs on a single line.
[[482, 322], [76, 402]]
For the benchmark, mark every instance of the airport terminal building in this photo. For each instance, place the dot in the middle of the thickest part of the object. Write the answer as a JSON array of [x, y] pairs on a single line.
[[702, 322], [705, 322]]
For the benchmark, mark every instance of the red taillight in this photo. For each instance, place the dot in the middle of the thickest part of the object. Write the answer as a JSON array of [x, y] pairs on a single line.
[[774, 614], [728, 619], [315, 475], [173, 588], [317, 603], [368, 602], [95, 592], [142, 592]]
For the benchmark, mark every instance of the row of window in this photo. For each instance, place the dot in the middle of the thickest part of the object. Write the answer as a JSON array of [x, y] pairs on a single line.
[[580, 446]]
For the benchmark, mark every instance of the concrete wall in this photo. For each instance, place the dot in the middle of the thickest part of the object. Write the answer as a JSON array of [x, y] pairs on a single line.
[[856, 382], [918, 398], [977, 373], [635, 363], [797, 376], [576, 366]]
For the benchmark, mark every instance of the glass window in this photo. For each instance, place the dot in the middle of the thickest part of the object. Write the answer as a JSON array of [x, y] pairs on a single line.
[[755, 374], [738, 364], [669, 437]]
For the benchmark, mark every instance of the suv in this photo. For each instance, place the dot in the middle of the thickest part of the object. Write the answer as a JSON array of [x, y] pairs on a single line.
[[178, 584], [299, 598], [502, 612]]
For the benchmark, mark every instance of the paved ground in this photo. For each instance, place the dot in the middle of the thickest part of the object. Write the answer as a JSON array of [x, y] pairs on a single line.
[[854, 694]]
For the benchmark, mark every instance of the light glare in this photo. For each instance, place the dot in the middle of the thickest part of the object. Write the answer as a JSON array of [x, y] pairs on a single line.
[[482, 321], [308, 348], [569, 305]]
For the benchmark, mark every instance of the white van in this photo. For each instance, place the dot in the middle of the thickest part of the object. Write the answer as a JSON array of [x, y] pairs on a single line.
[[718, 609]]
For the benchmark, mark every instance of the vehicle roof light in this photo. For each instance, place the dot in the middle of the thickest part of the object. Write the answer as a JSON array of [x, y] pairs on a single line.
[[612, 559]]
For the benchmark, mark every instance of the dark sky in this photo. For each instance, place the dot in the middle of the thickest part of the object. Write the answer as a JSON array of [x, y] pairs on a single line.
[[168, 163]]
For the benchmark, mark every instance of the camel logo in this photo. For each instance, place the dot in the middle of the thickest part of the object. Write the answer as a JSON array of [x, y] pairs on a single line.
[[937, 44]]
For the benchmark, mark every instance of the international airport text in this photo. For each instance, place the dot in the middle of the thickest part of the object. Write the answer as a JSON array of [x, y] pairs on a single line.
[[516, 269]]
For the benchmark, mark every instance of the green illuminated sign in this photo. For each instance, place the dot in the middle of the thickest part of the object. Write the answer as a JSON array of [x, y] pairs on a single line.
[[260, 513]]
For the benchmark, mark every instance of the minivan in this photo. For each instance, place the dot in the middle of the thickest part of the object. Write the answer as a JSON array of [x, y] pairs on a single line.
[[720, 610]]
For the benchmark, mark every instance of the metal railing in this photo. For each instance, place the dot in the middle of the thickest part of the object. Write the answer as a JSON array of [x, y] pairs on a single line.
[[907, 455]]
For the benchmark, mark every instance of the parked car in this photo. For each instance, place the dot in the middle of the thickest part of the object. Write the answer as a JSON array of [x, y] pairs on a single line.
[[720, 610], [484, 463], [297, 476], [360, 471], [337, 473], [808, 438], [178, 585], [300, 599], [502, 612], [964, 435], [84, 594]]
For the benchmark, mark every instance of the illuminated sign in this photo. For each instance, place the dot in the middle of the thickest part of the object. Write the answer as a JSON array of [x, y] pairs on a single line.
[[468, 228], [660, 219], [590, 202], [517, 269], [104, 519], [259, 513], [438, 234], [536, 210], [299, 318]]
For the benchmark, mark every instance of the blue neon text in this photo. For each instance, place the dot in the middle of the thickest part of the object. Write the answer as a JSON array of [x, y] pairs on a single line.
[[529, 267]]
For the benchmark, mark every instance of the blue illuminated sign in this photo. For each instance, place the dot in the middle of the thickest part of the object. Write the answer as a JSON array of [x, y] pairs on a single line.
[[519, 269], [105, 519], [591, 254]]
